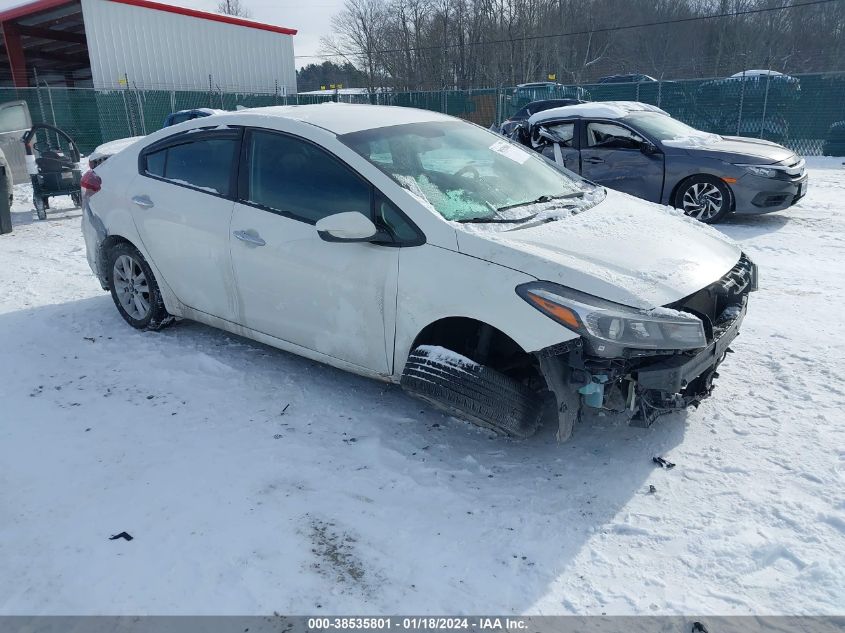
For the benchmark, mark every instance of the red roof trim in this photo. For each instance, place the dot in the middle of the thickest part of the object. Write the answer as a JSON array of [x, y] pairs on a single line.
[[204, 15], [44, 5], [31, 7]]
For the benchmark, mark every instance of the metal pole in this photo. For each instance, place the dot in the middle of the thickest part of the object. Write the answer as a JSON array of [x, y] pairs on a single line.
[[766, 100], [5, 210], [741, 102]]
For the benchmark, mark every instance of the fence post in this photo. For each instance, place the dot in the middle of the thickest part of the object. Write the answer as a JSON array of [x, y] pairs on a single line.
[[741, 102], [765, 101]]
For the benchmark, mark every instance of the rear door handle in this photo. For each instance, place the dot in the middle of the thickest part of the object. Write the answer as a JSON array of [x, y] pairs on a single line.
[[249, 238], [593, 160], [143, 201]]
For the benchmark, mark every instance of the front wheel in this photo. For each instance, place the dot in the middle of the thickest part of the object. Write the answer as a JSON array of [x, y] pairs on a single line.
[[134, 289], [704, 198], [473, 392]]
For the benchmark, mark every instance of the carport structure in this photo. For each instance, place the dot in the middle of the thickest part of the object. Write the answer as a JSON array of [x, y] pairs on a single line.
[[146, 45], [44, 39]]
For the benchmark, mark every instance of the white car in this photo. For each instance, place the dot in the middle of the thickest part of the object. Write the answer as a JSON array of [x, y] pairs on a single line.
[[419, 249]]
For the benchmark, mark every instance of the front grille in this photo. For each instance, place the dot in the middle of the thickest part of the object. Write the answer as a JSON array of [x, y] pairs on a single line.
[[792, 169]]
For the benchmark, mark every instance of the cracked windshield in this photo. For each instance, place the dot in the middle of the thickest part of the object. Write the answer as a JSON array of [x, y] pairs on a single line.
[[464, 172]]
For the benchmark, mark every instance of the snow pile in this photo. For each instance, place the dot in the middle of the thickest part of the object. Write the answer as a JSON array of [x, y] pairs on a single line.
[[256, 481]]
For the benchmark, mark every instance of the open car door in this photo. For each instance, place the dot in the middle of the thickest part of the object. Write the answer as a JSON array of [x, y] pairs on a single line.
[[14, 121]]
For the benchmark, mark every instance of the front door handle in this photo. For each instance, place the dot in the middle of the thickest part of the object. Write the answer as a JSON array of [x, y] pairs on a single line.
[[249, 238], [143, 201]]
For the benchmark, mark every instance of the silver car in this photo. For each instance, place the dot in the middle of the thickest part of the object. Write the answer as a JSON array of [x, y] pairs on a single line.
[[639, 149]]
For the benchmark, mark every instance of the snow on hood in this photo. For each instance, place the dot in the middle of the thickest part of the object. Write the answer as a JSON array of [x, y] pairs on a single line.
[[624, 249], [693, 141], [741, 148], [602, 109]]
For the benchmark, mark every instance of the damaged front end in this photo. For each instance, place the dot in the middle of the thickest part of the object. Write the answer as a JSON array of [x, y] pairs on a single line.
[[644, 363]]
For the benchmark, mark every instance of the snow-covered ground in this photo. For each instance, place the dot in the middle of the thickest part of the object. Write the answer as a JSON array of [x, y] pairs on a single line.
[[255, 481]]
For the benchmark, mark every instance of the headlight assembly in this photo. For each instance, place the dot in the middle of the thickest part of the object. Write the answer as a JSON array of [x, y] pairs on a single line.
[[760, 170], [604, 323]]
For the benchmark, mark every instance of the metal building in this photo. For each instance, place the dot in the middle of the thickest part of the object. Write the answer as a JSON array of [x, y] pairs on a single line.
[[145, 45]]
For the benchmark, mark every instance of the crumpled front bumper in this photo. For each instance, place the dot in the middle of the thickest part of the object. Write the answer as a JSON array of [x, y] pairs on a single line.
[[678, 372]]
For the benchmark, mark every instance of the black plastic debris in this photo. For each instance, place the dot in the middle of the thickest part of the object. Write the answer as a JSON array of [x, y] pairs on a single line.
[[124, 535], [698, 627], [651, 489], [663, 462]]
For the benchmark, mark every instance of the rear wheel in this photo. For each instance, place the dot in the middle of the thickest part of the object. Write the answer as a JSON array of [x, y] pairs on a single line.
[[134, 289], [76, 197], [476, 393], [40, 205], [705, 198]]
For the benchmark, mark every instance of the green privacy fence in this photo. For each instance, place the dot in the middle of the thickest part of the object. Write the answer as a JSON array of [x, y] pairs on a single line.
[[797, 111]]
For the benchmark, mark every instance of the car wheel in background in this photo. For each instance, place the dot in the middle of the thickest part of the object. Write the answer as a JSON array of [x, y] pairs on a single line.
[[465, 389], [705, 198], [76, 197], [134, 289]]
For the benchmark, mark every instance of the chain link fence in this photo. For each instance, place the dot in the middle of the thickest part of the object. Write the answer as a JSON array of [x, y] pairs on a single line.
[[797, 111]]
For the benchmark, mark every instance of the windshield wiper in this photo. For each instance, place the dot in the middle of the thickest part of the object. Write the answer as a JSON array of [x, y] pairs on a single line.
[[497, 220], [544, 198]]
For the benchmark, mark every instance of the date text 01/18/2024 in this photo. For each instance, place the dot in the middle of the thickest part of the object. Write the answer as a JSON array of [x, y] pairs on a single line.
[[417, 624]]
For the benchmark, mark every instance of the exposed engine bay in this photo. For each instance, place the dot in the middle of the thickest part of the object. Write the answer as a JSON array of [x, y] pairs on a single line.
[[649, 383]]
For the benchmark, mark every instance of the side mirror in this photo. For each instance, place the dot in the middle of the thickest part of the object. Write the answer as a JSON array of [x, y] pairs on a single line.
[[347, 227], [649, 148]]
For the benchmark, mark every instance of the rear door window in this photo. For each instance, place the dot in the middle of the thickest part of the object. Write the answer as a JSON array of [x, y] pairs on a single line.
[[564, 133], [203, 163]]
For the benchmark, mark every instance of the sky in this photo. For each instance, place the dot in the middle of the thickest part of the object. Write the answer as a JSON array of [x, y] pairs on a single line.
[[312, 18]]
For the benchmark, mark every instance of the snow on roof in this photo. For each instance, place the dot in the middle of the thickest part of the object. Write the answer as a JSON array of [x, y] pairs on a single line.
[[340, 91], [343, 118], [756, 73], [600, 109]]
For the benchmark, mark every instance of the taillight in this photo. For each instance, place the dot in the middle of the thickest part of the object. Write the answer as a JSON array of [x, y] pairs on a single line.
[[91, 182]]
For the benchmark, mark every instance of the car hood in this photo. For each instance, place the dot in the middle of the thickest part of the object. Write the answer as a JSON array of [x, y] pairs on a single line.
[[742, 149], [623, 249]]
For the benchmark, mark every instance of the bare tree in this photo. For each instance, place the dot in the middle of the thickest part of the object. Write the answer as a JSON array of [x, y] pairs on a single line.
[[434, 44], [233, 7]]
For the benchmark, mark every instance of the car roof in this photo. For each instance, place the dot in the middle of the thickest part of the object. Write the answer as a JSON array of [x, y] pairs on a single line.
[[344, 118], [595, 109]]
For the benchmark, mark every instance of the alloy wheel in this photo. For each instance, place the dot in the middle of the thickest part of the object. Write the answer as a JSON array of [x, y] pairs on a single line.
[[703, 201], [131, 287]]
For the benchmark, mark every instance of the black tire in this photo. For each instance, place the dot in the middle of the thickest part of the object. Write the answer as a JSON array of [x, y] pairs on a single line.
[[76, 197], [481, 395], [40, 205], [156, 316], [686, 191]]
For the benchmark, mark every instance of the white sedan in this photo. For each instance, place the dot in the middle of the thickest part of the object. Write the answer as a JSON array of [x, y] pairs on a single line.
[[416, 248]]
